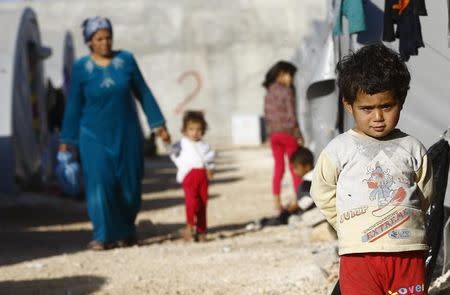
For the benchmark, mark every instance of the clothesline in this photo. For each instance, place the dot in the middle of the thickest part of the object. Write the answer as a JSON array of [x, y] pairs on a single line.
[[437, 52]]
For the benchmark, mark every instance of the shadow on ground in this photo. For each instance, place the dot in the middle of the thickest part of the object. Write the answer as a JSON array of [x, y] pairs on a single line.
[[160, 174], [150, 204], [39, 225], [65, 285], [22, 245], [160, 233], [48, 211]]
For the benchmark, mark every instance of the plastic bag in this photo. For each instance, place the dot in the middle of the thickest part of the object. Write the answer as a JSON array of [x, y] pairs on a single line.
[[68, 174]]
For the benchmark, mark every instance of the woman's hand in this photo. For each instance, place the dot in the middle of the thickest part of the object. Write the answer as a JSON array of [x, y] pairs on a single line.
[[300, 141], [163, 134]]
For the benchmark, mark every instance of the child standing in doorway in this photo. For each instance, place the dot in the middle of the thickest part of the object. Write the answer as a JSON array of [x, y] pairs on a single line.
[[282, 123], [194, 159], [374, 182]]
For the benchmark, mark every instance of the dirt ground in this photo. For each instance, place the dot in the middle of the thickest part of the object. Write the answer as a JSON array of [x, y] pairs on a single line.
[[43, 239]]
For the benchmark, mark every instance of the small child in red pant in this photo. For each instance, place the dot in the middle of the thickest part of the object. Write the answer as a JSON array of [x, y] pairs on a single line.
[[194, 159]]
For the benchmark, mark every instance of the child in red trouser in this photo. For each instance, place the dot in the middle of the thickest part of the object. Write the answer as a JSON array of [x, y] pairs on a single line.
[[194, 160], [195, 186], [283, 145], [280, 114]]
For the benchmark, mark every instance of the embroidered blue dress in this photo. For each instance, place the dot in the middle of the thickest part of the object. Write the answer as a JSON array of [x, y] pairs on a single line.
[[101, 119]]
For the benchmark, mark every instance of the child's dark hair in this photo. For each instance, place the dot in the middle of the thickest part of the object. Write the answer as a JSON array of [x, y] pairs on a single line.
[[196, 117], [373, 69], [280, 67], [302, 156]]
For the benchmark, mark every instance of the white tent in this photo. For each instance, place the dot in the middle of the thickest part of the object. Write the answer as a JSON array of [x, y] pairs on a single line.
[[24, 136]]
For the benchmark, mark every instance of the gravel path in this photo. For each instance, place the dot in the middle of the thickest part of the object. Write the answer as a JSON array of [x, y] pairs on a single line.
[[43, 238]]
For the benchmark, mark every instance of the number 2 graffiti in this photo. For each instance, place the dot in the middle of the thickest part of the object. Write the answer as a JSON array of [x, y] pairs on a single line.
[[190, 96]]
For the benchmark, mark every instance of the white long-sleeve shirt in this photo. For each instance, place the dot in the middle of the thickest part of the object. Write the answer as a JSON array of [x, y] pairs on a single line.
[[188, 155], [374, 192]]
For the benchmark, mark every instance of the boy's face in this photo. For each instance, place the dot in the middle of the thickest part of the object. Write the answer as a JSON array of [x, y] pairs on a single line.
[[301, 169], [375, 115], [194, 131]]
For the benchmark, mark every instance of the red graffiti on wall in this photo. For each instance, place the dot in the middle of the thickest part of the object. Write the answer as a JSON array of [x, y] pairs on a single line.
[[190, 96]]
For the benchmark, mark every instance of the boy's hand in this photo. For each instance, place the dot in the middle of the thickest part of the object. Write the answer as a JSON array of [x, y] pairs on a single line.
[[210, 174]]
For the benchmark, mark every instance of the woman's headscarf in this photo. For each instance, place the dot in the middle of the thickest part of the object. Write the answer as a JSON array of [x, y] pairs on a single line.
[[93, 24]]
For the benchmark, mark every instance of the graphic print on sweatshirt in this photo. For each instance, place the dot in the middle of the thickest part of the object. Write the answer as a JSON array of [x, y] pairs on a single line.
[[376, 187], [381, 184], [387, 191]]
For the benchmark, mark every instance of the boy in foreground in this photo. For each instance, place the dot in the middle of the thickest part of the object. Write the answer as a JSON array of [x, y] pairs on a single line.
[[374, 182]]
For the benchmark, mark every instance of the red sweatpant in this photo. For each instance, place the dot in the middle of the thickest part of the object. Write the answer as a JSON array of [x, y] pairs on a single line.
[[195, 186], [282, 145], [383, 273]]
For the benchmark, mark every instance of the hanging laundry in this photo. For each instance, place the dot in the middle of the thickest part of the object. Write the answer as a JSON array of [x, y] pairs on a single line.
[[401, 6], [404, 14], [353, 10]]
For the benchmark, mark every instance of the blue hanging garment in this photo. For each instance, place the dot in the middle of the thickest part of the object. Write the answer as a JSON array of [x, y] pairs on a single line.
[[68, 174]]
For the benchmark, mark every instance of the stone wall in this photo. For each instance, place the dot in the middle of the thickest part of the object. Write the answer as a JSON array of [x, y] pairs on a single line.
[[222, 48]]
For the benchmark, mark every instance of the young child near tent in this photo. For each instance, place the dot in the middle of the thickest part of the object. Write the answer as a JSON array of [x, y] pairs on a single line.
[[194, 159], [374, 182], [302, 161], [281, 121]]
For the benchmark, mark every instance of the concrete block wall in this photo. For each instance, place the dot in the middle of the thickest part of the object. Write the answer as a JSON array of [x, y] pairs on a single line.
[[222, 47]]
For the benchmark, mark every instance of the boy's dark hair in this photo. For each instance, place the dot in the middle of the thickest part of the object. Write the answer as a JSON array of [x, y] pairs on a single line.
[[196, 117], [280, 67], [302, 156], [373, 69]]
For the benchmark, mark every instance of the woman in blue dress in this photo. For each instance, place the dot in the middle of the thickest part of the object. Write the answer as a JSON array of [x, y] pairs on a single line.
[[101, 120]]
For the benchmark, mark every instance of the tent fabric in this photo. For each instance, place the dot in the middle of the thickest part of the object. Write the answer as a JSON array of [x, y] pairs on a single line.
[[315, 83], [23, 124], [448, 22], [446, 242], [27, 136], [439, 154]]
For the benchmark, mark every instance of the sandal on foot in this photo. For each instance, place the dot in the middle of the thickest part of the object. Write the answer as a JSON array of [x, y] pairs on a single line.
[[96, 246], [186, 234]]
